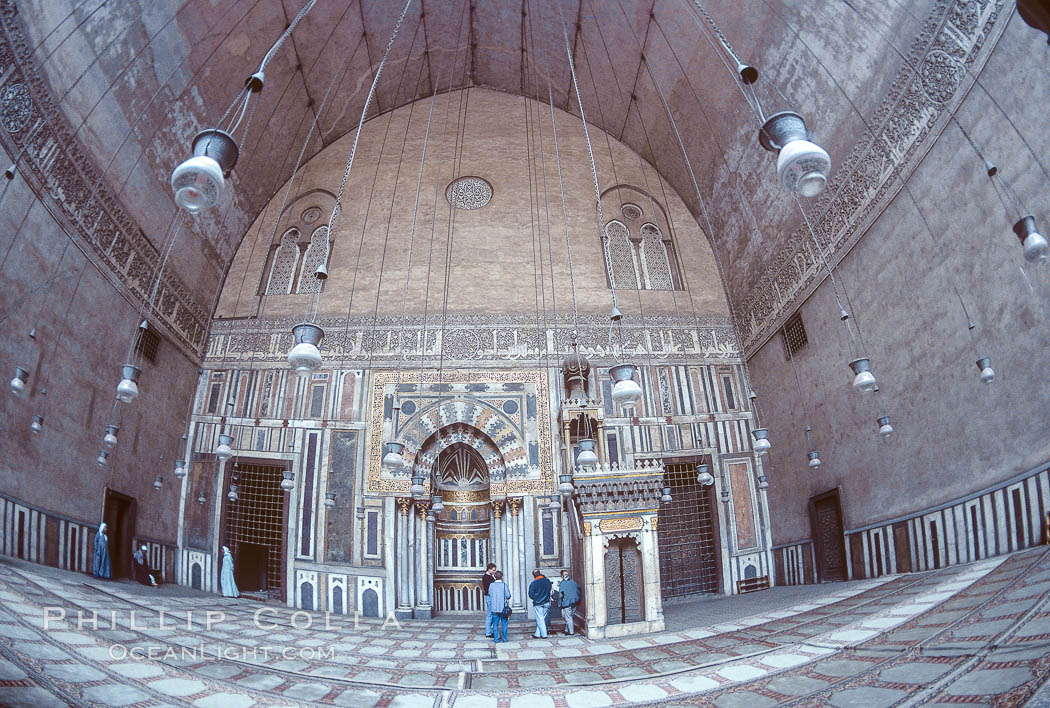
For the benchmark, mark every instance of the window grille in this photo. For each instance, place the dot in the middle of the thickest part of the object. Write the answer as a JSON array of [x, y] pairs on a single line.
[[147, 344], [794, 334], [257, 517], [688, 543]]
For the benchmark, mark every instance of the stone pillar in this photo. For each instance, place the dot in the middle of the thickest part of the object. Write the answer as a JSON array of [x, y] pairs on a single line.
[[514, 555], [496, 534], [424, 580], [404, 604], [648, 544], [594, 581]]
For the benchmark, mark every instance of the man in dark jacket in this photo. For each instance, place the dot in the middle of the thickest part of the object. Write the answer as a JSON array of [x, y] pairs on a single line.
[[568, 598], [540, 594], [486, 580]]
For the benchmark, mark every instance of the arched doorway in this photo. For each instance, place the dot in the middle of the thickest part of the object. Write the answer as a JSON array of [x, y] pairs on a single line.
[[462, 545]]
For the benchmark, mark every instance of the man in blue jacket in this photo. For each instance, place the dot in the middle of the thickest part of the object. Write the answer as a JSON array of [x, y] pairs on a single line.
[[540, 594], [568, 598]]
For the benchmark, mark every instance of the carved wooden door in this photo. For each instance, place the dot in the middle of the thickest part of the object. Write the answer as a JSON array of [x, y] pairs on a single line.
[[828, 539], [623, 582]]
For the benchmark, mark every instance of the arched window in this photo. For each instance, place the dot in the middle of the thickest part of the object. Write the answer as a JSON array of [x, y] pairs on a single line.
[[656, 263], [282, 267], [316, 254], [620, 251]]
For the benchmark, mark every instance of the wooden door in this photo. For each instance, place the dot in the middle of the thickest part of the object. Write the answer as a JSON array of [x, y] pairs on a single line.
[[624, 598], [825, 513]]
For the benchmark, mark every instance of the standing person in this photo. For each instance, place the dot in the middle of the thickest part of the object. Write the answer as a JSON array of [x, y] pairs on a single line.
[[568, 598], [499, 601], [100, 567], [486, 580], [229, 585], [540, 594], [143, 573]]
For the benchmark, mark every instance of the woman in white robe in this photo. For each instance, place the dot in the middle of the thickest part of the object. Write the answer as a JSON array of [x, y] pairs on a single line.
[[229, 586]]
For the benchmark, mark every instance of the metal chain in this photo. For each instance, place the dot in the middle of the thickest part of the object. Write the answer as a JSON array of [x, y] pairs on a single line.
[[564, 211], [590, 155], [360, 123]]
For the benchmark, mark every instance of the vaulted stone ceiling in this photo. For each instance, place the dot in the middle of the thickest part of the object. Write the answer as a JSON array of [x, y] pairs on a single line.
[[164, 71]]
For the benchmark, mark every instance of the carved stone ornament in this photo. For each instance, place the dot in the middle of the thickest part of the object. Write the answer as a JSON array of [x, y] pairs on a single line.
[[631, 523], [404, 503], [468, 193], [953, 45]]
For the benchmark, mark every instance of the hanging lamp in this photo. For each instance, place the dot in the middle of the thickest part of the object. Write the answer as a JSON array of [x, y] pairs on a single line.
[[180, 469], [103, 458], [586, 457], [802, 165], [885, 429], [223, 451], [666, 496], [329, 500], [987, 372], [1033, 244], [863, 379], [110, 438], [417, 489], [565, 484], [18, 383], [158, 482], [128, 389], [703, 476], [305, 355], [814, 460], [392, 460], [625, 390], [436, 504], [200, 497], [38, 423], [199, 181], [288, 483], [232, 494], [761, 443]]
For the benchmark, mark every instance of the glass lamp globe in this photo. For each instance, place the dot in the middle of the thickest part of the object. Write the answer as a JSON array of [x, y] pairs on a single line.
[[288, 483], [885, 429], [198, 182], [305, 357], [232, 494], [103, 458], [554, 504], [110, 438], [436, 504], [803, 167], [863, 380], [329, 500], [1033, 244], [201, 498], [987, 372], [586, 456], [417, 486], [38, 423], [180, 469], [158, 482], [705, 479], [18, 383], [626, 390], [814, 460], [224, 451], [761, 444], [392, 460], [666, 496], [565, 484], [128, 389]]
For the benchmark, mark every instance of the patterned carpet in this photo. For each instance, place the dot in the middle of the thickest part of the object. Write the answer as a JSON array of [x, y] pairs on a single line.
[[977, 634]]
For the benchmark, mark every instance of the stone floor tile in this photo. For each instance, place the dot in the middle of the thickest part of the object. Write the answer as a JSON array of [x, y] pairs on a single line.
[[796, 685], [915, 672], [225, 700], [587, 699], [866, 697], [536, 680], [783, 661], [74, 673], [307, 691], [412, 700], [987, 681], [178, 686], [260, 681], [841, 668], [114, 694], [357, 698], [10, 672], [743, 699], [31, 697], [742, 672], [694, 684]]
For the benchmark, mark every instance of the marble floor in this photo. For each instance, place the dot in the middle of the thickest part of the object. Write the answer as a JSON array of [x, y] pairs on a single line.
[[977, 634]]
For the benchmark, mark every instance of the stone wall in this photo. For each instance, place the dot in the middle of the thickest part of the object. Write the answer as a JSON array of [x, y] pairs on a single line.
[[954, 435]]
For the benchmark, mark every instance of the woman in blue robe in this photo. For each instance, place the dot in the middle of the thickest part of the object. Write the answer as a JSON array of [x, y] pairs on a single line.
[[229, 586], [100, 565]]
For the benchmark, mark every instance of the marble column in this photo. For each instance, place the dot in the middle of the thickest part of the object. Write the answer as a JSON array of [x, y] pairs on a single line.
[[423, 584], [496, 534], [514, 564], [649, 547], [404, 603], [594, 582]]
